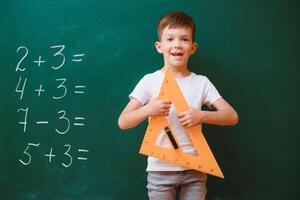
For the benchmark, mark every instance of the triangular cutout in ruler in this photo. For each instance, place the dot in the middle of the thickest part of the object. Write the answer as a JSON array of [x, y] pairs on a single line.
[[204, 161]]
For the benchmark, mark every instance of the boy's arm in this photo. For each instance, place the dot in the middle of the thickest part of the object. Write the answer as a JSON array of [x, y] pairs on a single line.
[[224, 115], [135, 112]]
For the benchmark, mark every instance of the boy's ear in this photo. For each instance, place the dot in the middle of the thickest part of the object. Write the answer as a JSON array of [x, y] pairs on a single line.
[[194, 47], [158, 47]]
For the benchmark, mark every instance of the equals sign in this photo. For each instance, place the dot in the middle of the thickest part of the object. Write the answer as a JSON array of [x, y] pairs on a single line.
[[84, 151], [79, 89], [76, 57], [79, 124]]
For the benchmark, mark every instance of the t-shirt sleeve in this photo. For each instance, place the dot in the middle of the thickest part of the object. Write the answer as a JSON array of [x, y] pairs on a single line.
[[210, 94], [141, 90]]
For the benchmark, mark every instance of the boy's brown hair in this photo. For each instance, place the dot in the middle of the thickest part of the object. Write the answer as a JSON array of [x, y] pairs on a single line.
[[176, 19]]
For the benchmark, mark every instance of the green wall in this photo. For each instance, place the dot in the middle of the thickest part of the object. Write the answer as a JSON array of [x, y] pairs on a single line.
[[248, 49]]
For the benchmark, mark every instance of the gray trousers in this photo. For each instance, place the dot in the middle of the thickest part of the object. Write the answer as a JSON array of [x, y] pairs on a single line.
[[163, 185]]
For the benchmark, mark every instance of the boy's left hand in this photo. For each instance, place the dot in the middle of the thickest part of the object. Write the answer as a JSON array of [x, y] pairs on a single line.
[[190, 118]]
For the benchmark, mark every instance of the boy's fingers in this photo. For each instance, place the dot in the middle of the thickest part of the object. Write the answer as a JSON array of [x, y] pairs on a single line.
[[166, 102], [185, 124], [183, 120], [188, 123], [164, 113], [166, 107], [182, 114]]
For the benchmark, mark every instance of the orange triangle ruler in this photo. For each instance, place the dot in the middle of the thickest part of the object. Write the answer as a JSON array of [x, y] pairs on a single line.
[[204, 161]]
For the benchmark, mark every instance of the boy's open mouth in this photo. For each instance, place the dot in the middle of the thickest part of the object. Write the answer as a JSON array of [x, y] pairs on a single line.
[[177, 54]]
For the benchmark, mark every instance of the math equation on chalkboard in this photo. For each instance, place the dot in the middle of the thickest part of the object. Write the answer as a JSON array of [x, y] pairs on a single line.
[[65, 119]]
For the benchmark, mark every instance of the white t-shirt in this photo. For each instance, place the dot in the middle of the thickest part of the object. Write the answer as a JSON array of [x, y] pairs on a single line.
[[197, 90]]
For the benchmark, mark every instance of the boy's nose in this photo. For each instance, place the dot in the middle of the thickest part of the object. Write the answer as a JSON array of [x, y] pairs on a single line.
[[178, 44]]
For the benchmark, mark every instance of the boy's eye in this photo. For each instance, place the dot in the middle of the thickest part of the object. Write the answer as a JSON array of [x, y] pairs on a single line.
[[185, 39], [169, 39]]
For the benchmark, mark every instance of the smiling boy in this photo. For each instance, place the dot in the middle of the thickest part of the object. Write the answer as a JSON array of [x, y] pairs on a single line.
[[176, 33]]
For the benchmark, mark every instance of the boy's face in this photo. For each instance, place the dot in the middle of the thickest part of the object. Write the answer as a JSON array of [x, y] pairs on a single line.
[[176, 45]]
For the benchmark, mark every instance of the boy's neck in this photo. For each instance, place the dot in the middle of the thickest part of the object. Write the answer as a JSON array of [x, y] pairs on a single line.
[[178, 72]]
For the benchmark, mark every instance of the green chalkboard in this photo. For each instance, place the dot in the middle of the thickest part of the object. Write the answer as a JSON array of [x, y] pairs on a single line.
[[66, 70]]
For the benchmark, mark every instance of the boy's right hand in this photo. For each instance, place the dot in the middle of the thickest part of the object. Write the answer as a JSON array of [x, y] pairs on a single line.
[[158, 107]]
